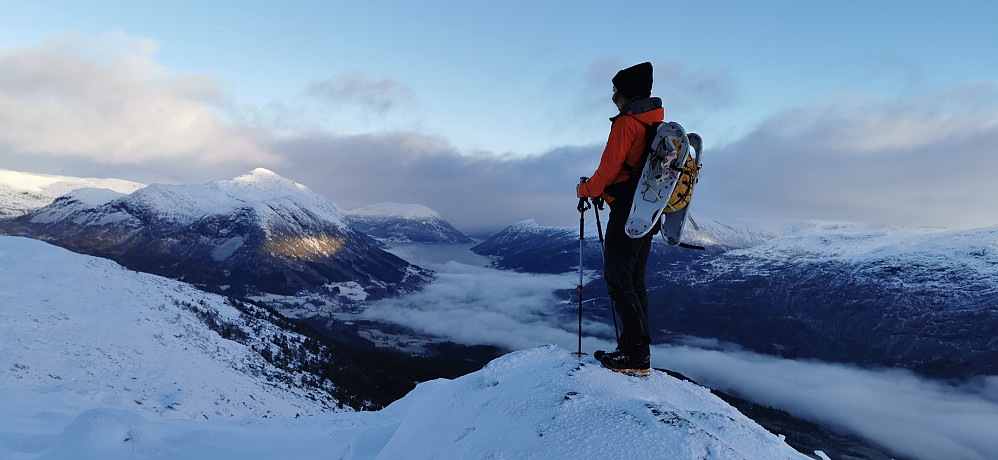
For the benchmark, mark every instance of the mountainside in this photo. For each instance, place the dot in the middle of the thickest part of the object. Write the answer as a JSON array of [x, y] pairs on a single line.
[[86, 331], [404, 223], [526, 246], [21, 193], [923, 299], [258, 233], [534, 404]]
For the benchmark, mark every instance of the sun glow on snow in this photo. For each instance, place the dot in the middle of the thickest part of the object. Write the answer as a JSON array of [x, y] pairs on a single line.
[[27, 182], [308, 248]]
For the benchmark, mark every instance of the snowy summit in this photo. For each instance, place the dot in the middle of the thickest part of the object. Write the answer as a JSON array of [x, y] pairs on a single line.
[[258, 190]]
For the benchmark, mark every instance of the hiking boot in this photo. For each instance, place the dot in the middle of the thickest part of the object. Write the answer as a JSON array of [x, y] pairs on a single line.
[[626, 364], [600, 354]]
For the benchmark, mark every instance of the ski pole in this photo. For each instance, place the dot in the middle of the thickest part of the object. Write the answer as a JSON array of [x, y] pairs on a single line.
[[583, 206], [597, 207]]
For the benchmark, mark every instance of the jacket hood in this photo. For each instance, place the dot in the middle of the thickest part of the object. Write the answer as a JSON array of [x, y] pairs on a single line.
[[639, 107]]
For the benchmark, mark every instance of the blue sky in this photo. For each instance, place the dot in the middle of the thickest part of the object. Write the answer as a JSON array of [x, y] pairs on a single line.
[[488, 112]]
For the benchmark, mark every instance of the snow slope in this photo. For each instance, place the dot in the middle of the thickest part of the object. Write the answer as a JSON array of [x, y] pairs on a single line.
[[80, 332], [540, 403], [22, 192]]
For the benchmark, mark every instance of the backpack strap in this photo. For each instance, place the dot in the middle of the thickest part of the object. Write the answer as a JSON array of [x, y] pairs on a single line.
[[626, 189], [650, 131]]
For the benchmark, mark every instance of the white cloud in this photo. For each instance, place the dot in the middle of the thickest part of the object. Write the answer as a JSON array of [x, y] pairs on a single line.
[[359, 90], [907, 160], [106, 100], [474, 192]]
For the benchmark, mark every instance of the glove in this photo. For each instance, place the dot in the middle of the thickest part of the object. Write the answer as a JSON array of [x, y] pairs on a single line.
[[578, 191]]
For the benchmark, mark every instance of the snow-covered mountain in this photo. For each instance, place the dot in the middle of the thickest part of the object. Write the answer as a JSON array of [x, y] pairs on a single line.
[[258, 233], [541, 403], [21, 193], [924, 299], [404, 223]]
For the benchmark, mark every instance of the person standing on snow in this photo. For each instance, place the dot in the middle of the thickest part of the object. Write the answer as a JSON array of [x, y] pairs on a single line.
[[615, 180]]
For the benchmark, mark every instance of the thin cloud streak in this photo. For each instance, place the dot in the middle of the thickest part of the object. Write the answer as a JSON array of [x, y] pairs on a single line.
[[233, 33]]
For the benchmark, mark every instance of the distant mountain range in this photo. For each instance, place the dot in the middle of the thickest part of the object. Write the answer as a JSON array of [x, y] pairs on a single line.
[[923, 299], [21, 193], [258, 233], [404, 223]]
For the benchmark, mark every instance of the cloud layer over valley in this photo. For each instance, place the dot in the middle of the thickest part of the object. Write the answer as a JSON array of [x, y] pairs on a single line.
[[898, 409]]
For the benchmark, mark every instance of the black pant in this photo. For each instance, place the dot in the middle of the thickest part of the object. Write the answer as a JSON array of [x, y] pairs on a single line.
[[624, 270]]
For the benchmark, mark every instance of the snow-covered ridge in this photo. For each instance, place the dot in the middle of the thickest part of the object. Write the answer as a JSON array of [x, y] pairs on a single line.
[[859, 242], [408, 211], [944, 262], [22, 192], [257, 190]]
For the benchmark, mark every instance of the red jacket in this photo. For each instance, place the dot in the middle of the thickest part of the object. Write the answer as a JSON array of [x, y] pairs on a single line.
[[626, 144]]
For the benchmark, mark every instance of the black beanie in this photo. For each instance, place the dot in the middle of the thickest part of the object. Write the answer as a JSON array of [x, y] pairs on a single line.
[[634, 81]]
